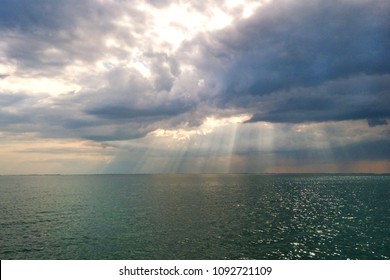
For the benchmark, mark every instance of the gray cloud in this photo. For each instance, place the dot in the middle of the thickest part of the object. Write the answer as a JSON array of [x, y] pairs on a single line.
[[126, 113], [46, 36], [360, 97], [317, 61], [29, 15], [8, 115], [291, 62], [376, 122], [7, 118], [8, 99], [303, 61]]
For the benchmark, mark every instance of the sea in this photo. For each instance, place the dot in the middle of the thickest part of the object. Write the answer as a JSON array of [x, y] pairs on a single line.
[[195, 216]]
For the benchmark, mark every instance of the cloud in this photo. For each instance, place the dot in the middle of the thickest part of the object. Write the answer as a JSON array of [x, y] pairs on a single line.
[[281, 64], [126, 113], [376, 122], [89, 47], [359, 97], [307, 75], [11, 99], [46, 37], [291, 61], [27, 15], [297, 61]]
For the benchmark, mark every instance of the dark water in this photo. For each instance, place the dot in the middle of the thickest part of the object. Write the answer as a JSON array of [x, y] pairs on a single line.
[[195, 217]]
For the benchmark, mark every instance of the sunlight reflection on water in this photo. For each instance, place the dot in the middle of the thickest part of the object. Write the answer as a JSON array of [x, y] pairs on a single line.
[[195, 217]]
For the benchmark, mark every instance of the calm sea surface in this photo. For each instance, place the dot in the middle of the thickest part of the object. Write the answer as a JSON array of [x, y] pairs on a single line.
[[195, 217]]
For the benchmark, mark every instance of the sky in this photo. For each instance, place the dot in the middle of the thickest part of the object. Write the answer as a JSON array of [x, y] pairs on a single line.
[[175, 86]]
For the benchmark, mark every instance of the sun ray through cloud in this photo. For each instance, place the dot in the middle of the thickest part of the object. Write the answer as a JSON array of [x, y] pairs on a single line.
[[186, 86]]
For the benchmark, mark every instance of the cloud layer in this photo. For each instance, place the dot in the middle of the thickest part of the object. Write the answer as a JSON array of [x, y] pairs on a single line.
[[117, 73], [296, 61]]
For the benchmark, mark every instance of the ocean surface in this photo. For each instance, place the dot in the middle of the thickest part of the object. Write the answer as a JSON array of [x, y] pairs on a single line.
[[195, 217]]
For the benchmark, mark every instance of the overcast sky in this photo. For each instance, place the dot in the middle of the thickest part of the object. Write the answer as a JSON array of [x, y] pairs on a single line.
[[155, 86]]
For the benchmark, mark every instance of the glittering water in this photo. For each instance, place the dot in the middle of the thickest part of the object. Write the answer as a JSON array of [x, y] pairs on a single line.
[[195, 217]]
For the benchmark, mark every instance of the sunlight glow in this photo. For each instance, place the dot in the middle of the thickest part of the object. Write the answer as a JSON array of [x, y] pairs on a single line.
[[208, 126], [141, 67], [218, 20], [112, 43], [179, 22], [41, 85], [25, 153], [247, 7]]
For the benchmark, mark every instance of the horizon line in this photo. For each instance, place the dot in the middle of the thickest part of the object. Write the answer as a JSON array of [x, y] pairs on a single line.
[[201, 173]]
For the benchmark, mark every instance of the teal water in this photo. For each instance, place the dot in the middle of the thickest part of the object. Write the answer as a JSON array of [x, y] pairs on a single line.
[[195, 217]]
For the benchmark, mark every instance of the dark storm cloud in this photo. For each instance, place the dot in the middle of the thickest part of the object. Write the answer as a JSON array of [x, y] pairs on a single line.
[[29, 15], [33, 29], [132, 100], [376, 122], [46, 36], [70, 122], [131, 130], [57, 15], [296, 61], [124, 113], [360, 97]]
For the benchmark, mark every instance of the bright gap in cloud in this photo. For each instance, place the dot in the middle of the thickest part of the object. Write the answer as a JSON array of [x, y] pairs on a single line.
[[170, 26], [208, 126], [32, 85], [141, 67], [179, 22], [247, 7], [207, 148]]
